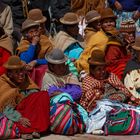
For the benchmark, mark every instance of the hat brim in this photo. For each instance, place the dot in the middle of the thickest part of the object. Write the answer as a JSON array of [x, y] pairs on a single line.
[[95, 62], [52, 61], [136, 47], [68, 22], [93, 19], [44, 19], [114, 17], [29, 26], [7, 66]]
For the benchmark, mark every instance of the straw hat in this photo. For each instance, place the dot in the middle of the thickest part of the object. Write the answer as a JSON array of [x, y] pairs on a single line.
[[136, 46], [56, 56], [28, 23], [70, 19], [14, 62], [107, 13], [128, 26], [97, 58], [92, 16], [36, 15]]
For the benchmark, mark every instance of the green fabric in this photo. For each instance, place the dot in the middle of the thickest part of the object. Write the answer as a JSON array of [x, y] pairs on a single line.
[[119, 122], [12, 114], [28, 92], [72, 67]]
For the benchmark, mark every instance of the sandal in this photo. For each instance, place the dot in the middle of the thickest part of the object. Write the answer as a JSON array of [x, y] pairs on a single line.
[[27, 136]]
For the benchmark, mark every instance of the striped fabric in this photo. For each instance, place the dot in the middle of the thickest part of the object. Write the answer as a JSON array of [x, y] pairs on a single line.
[[65, 119], [7, 128]]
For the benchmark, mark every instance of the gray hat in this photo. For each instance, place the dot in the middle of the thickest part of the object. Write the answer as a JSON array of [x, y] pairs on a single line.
[[56, 56]]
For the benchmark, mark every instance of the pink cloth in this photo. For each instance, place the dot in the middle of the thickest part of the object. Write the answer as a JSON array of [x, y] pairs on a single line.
[[37, 74]]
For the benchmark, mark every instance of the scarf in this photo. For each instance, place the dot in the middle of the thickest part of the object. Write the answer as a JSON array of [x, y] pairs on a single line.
[[44, 46]]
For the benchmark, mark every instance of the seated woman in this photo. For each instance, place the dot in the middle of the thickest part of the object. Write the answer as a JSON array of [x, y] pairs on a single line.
[[115, 52], [6, 49], [132, 73], [100, 84], [58, 77], [69, 40], [33, 47], [22, 102]]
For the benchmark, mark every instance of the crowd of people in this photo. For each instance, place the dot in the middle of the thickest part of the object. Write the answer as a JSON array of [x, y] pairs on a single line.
[[69, 66]]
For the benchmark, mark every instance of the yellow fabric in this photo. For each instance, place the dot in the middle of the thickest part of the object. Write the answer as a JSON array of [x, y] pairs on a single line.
[[44, 44], [9, 92], [93, 40], [81, 7]]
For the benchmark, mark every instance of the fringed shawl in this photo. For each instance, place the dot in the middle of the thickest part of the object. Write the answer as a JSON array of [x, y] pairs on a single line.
[[9, 92]]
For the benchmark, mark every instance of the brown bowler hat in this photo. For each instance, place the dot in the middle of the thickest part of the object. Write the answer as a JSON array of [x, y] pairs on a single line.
[[28, 23], [69, 19], [97, 57], [36, 15], [14, 62], [136, 46], [107, 13], [92, 16]]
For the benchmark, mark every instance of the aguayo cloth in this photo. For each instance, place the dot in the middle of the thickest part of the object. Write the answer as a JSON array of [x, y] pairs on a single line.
[[8, 129], [66, 119]]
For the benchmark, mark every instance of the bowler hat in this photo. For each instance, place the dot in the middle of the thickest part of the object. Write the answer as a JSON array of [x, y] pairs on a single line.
[[97, 57], [36, 15], [70, 19], [56, 56], [28, 23], [136, 45], [92, 16], [107, 13], [14, 62]]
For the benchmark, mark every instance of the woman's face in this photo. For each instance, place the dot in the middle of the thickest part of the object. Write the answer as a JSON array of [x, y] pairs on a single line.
[[96, 25], [59, 69], [17, 75], [108, 24], [98, 72], [34, 31]]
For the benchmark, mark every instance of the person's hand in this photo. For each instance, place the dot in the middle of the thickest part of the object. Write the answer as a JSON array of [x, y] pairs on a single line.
[[136, 15], [25, 122], [35, 39], [118, 6], [30, 65]]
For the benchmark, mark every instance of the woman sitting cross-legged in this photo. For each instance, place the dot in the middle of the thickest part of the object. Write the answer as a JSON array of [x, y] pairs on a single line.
[[58, 77], [100, 84], [22, 102]]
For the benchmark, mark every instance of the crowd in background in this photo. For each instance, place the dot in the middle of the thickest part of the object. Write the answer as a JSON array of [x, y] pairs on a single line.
[[69, 66]]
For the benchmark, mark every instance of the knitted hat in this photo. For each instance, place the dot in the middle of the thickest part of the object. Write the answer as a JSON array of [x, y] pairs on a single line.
[[56, 56], [92, 16], [14, 62], [70, 19], [136, 46], [36, 15], [107, 13], [128, 26], [28, 23], [97, 57]]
